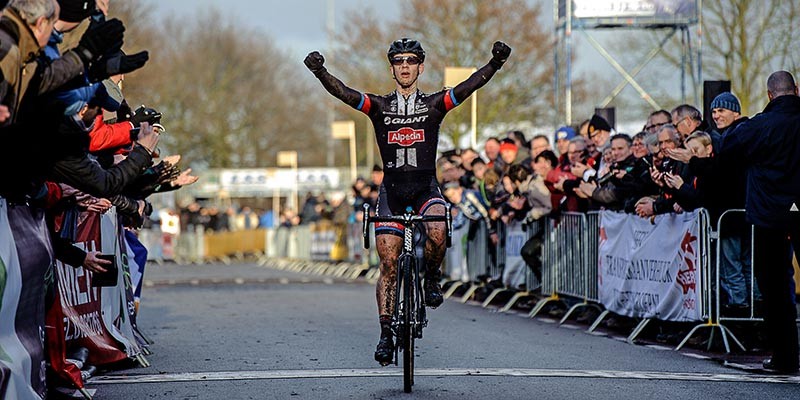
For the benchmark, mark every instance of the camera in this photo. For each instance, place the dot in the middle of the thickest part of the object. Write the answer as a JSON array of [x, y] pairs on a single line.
[[668, 166], [612, 173]]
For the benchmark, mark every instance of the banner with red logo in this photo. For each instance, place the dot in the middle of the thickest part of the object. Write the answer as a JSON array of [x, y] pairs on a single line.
[[75, 319], [649, 270]]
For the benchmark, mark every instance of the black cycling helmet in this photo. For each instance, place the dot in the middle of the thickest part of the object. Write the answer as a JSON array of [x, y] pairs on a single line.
[[406, 45]]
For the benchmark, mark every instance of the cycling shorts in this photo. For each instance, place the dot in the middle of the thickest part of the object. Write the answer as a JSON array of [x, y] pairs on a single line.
[[417, 192]]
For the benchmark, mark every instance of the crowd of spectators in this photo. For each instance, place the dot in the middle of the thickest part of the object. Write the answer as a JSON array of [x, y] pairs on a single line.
[[667, 167], [86, 150], [676, 163]]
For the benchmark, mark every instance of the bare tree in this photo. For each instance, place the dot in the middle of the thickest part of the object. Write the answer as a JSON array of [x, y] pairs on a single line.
[[459, 34], [228, 94], [745, 41]]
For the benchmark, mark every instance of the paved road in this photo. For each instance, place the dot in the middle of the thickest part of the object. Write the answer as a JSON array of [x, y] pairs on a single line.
[[250, 332]]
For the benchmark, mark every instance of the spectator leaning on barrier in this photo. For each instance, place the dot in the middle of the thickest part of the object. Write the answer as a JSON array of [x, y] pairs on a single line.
[[638, 147], [769, 146], [508, 155], [491, 148], [563, 135], [25, 30], [649, 206], [542, 165], [616, 187], [656, 120], [565, 180], [468, 155], [469, 202], [722, 187], [538, 144], [523, 145], [531, 250], [687, 119], [599, 131], [479, 169]]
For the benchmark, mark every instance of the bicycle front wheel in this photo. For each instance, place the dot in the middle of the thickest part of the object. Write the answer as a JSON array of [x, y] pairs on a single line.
[[409, 311]]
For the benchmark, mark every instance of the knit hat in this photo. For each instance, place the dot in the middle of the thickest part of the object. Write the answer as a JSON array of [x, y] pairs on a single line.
[[727, 101], [598, 123], [565, 133], [508, 144]]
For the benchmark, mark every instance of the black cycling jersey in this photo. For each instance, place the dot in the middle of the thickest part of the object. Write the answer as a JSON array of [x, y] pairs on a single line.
[[407, 128], [407, 132]]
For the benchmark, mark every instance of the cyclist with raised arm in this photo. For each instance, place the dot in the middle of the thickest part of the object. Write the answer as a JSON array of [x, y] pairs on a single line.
[[406, 123]]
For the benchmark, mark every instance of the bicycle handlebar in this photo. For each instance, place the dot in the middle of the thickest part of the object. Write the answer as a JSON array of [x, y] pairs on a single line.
[[408, 218]]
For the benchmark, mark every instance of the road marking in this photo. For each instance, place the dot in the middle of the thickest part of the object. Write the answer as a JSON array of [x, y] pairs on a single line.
[[384, 372]]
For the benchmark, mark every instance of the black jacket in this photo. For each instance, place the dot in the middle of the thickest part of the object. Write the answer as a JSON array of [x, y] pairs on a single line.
[[613, 193], [768, 145], [74, 167]]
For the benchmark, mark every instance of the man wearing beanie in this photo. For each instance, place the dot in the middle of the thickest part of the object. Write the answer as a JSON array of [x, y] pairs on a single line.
[[735, 266], [725, 110]]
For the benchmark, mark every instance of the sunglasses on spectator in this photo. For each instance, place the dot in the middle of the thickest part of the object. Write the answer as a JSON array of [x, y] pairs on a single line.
[[411, 60]]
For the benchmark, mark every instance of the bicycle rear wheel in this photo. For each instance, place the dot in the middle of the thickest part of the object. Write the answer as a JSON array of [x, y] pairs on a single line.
[[408, 330]]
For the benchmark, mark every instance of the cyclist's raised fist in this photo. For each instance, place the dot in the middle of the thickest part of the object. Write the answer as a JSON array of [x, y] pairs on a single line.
[[500, 53], [314, 61]]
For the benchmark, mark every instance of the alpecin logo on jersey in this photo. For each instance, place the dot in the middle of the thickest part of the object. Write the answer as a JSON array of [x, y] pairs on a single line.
[[406, 136]]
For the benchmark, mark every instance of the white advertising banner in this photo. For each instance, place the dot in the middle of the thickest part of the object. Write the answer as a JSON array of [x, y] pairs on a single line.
[[649, 270]]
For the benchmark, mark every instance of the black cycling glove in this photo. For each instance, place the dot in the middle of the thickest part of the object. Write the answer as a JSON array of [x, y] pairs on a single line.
[[315, 62], [500, 53]]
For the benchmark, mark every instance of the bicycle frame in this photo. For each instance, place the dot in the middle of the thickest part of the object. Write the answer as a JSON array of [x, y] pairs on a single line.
[[409, 316]]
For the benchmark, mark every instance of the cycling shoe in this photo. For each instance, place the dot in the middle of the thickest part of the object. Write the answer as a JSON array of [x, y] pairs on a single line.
[[384, 353], [433, 292]]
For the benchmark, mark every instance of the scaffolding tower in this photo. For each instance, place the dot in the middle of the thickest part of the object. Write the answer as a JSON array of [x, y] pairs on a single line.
[[668, 16]]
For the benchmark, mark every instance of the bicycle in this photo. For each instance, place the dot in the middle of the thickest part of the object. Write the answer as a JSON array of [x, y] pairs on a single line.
[[409, 317]]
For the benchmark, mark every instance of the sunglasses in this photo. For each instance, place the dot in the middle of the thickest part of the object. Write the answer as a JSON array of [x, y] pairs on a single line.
[[411, 60]]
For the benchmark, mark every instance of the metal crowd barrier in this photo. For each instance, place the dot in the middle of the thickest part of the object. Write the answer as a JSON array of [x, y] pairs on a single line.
[[567, 268], [480, 263], [569, 263], [532, 283], [714, 315], [323, 238]]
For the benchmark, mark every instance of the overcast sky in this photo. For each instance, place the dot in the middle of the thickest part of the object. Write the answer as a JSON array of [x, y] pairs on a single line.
[[298, 25]]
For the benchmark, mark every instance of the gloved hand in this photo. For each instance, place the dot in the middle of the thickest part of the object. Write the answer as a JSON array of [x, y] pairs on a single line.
[[124, 113], [120, 63], [500, 53], [315, 62], [166, 172], [101, 38], [145, 114]]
